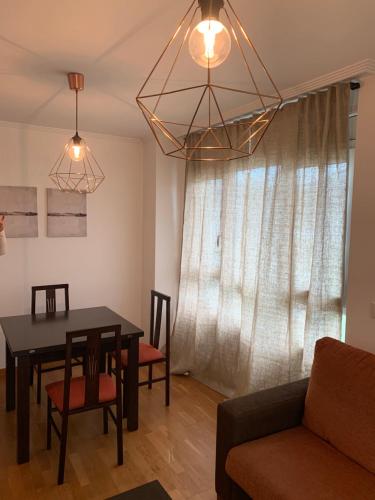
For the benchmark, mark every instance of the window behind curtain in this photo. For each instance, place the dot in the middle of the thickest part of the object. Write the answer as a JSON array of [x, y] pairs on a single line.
[[263, 251]]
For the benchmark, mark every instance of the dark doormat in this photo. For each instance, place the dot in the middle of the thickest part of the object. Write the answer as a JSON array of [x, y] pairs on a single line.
[[149, 491]]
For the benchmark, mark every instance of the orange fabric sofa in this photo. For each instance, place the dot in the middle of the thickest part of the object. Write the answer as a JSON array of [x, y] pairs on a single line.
[[309, 440]]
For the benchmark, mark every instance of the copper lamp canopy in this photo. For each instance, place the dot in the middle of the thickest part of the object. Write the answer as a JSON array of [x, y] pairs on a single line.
[[76, 169], [76, 81], [185, 103]]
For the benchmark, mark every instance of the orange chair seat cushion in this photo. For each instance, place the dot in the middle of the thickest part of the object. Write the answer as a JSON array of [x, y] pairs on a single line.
[[147, 354], [296, 464], [55, 390]]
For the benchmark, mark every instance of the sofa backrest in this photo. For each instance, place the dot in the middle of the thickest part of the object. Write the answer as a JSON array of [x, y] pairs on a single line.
[[340, 400]]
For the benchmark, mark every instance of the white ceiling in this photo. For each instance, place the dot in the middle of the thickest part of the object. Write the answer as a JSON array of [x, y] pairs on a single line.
[[116, 42]]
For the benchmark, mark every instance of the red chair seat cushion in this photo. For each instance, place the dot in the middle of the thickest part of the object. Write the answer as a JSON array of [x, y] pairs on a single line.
[[147, 354], [55, 390]]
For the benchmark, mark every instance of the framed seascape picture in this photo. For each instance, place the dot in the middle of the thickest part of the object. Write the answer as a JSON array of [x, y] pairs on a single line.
[[66, 214], [19, 205]]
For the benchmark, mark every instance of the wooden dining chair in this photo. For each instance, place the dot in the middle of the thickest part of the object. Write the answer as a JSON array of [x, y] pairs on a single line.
[[89, 392], [149, 354], [50, 294]]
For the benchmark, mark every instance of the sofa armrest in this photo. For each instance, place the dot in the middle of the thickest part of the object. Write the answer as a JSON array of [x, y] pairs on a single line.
[[252, 417]]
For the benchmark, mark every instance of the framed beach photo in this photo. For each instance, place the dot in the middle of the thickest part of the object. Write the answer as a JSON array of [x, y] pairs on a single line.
[[66, 214], [19, 206]]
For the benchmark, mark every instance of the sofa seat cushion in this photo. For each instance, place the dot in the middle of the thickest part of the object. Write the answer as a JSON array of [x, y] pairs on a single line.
[[296, 464], [340, 400]]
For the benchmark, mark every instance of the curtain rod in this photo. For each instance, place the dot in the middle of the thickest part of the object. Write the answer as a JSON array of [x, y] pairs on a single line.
[[354, 85]]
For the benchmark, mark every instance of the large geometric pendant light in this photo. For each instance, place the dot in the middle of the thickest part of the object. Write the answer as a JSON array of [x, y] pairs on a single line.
[[208, 70], [76, 169]]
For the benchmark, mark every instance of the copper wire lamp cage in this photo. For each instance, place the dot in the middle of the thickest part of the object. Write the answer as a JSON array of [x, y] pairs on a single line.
[[77, 169], [208, 134]]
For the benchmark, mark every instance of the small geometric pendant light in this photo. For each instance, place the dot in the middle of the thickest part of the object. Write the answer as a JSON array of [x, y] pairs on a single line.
[[208, 68], [76, 169]]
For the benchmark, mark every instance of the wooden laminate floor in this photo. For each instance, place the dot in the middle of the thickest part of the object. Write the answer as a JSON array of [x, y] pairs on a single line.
[[175, 445]]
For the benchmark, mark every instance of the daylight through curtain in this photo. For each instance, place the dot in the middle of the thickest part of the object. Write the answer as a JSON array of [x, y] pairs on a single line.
[[263, 251]]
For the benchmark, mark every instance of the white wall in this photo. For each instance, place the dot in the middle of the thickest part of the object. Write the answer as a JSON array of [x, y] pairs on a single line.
[[170, 191], [361, 279], [149, 218], [164, 186], [106, 268]]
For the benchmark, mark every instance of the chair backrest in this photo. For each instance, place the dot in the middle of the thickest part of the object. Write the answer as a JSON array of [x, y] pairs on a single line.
[[92, 357], [50, 296], [158, 299]]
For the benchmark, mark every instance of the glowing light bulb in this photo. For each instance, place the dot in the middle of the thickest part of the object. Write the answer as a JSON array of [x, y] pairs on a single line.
[[76, 148], [210, 43]]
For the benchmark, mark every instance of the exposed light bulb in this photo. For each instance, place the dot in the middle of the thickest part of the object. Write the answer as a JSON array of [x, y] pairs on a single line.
[[210, 43], [76, 148]]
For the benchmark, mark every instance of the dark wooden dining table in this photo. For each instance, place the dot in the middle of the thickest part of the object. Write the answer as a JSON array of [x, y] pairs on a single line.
[[40, 338]]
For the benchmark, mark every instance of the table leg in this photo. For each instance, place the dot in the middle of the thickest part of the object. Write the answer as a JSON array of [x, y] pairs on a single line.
[[131, 382], [10, 383], [23, 410]]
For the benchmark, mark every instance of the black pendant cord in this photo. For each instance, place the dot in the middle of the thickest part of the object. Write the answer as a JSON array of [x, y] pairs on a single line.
[[76, 111]]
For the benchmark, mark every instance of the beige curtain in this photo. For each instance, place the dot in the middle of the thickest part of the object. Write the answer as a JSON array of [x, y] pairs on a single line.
[[263, 251]]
